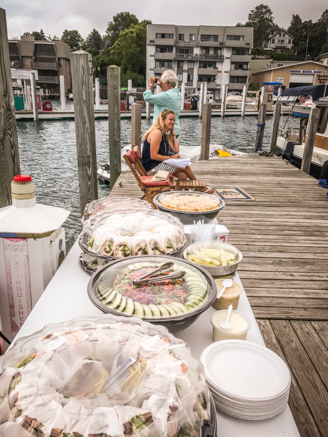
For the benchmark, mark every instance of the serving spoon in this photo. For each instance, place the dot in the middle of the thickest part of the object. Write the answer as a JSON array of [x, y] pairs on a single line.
[[227, 283], [226, 325]]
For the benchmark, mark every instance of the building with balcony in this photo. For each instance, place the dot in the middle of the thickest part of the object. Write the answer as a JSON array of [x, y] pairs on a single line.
[[217, 55], [279, 41], [50, 58]]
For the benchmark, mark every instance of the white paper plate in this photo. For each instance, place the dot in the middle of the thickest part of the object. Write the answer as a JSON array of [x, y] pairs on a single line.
[[244, 370]]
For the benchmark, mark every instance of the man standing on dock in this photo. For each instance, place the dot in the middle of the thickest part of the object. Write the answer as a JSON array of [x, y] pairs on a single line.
[[170, 97]]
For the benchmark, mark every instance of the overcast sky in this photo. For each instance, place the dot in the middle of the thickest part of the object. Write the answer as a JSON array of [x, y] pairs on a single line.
[[54, 16]]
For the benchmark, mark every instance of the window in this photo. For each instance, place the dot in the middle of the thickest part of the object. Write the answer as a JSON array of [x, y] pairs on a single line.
[[164, 35], [272, 40], [202, 78], [240, 52], [190, 65], [179, 77], [239, 66], [181, 37], [217, 51], [238, 79], [205, 50], [267, 65], [213, 38], [280, 65], [289, 41], [183, 51], [180, 64], [190, 77], [192, 37], [235, 37], [163, 64], [164, 49], [207, 65]]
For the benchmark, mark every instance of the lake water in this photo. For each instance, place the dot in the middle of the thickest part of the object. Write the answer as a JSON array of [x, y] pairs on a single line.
[[48, 153]]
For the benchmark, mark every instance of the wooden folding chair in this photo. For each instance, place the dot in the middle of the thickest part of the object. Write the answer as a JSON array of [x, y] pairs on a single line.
[[149, 188]]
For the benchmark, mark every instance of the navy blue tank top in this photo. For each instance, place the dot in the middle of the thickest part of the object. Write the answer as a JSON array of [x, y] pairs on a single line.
[[164, 149]]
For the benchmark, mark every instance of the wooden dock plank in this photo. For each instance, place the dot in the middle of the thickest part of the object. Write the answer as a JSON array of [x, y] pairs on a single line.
[[283, 235]]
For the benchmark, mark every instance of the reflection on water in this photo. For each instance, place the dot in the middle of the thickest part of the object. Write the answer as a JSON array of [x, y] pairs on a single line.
[[48, 153]]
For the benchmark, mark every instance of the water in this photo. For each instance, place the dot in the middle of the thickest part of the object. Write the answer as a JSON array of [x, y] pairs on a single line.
[[48, 153]]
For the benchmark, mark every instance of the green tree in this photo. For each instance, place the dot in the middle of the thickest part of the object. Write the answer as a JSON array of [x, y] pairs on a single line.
[[38, 36], [320, 35], [121, 21], [129, 51], [72, 38], [262, 20], [93, 43], [101, 62]]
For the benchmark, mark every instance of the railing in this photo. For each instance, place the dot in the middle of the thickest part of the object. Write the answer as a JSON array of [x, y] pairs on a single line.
[[50, 79], [44, 65], [196, 56]]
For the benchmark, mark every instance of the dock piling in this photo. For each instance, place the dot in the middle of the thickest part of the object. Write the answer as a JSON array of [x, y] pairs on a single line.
[[97, 93], [243, 103], [34, 100], [114, 122], [260, 127], [223, 100], [201, 98], [135, 124], [275, 127], [9, 155], [81, 66], [310, 139], [62, 92], [206, 131]]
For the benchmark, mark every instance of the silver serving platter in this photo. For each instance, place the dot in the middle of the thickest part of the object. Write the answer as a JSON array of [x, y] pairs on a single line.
[[216, 270], [174, 323], [188, 217]]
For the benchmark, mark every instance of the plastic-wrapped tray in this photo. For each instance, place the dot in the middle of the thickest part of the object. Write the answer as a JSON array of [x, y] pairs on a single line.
[[103, 376], [189, 216], [91, 264], [124, 233], [113, 202]]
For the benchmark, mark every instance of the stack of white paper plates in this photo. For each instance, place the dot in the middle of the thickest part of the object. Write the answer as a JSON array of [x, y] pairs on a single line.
[[247, 381]]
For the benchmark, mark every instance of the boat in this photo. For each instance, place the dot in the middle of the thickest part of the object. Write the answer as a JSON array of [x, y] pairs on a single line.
[[193, 153], [303, 109], [235, 99], [291, 142]]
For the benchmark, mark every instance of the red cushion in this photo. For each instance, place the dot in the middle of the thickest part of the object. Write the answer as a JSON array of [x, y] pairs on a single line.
[[136, 151], [147, 181], [131, 156]]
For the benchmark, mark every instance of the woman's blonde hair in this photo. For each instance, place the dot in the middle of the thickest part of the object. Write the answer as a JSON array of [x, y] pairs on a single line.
[[159, 124]]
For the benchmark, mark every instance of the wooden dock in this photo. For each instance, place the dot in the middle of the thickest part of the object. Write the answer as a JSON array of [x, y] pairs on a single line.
[[283, 235]]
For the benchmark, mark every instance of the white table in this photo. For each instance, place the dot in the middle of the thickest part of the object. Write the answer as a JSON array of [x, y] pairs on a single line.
[[66, 298]]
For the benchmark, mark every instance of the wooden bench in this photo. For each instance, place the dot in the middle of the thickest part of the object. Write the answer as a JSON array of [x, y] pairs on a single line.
[[197, 185]]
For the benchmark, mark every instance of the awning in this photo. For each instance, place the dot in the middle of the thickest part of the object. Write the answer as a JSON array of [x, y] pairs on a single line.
[[316, 91]]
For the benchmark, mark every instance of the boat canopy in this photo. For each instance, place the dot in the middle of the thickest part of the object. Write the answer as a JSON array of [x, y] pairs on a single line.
[[291, 94]]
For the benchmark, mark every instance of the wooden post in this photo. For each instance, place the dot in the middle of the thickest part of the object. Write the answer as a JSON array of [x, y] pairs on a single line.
[[81, 66], [34, 100], [135, 124], [275, 127], [201, 99], [223, 100], [243, 103], [114, 122], [9, 156], [310, 139], [182, 94], [147, 103], [28, 97], [97, 92], [262, 94], [206, 131], [62, 92], [260, 127]]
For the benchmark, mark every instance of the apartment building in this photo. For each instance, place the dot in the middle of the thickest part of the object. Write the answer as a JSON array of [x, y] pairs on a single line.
[[217, 55], [50, 58]]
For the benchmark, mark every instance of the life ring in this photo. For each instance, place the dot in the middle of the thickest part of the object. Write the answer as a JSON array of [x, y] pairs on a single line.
[[47, 106]]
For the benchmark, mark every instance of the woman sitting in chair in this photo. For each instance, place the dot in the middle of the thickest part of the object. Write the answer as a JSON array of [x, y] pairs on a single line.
[[161, 144]]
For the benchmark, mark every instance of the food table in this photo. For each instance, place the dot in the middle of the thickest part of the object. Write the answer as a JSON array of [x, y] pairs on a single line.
[[66, 298]]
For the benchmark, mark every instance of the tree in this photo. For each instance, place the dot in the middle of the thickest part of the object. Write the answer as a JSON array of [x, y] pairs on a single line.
[[72, 38], [38, 36], [262, 20], [93, 43], [129, 51], [101, 62], [121, 21]]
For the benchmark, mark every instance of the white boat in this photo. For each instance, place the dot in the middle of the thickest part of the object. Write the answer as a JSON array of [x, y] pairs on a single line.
[[291, 142], [303, 109], [234, 101]]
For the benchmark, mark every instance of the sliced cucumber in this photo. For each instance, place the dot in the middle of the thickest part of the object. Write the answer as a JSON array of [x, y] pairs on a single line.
[[138, 309], [163, 310], [103, 286], [169, 308], [155, 310], [178, 307], [116, 301], [109, 298], [147, 311], [129, 309], [122, 305]]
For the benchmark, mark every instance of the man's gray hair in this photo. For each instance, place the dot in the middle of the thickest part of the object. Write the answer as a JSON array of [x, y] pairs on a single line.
[[170, 78]]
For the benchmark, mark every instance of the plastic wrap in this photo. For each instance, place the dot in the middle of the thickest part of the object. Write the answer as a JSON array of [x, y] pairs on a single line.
[[108, 204], [102, 376], [123, 233]]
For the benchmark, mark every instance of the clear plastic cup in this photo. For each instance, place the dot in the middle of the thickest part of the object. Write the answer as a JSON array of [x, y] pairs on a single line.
[[230, 296], [240, 325]]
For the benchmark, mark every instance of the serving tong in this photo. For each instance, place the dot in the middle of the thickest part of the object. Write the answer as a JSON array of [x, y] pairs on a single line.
[[151, 278]]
